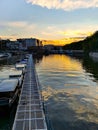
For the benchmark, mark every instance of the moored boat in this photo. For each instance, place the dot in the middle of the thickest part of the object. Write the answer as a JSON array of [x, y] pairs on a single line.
[[17, 74], [5, 55], [21, 66], [8, 92]]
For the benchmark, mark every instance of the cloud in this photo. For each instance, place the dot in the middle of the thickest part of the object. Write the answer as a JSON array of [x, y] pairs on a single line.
[[17, 24], [65, 4], [16, 29], [75, 33]]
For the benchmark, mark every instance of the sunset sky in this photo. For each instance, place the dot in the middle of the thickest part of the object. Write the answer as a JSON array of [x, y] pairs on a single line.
[[48, 19]]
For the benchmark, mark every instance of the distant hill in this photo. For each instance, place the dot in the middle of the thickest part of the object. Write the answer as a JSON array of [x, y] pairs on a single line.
[[89, 44], [62, 42]]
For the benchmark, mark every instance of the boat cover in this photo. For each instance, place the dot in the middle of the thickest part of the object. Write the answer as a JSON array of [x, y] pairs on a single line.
[[8, 85], [20, 65], [16, 73]]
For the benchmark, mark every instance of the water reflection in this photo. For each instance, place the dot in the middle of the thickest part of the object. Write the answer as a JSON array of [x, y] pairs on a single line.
[[70, 91], [91, 66]]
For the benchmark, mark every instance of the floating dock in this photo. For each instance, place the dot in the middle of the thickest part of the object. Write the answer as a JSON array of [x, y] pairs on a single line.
[[30, 114]]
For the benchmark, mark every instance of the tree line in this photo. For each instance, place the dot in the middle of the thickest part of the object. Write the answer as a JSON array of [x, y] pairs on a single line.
[[89, 44]]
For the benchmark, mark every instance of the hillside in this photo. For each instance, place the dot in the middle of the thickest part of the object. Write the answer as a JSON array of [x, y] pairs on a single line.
[[88, 44]]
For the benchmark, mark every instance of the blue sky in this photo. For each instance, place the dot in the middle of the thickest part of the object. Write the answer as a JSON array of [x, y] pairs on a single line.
[[48, 19]]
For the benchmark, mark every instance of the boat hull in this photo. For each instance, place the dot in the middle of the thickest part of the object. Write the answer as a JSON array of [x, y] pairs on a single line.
[[8, 102]]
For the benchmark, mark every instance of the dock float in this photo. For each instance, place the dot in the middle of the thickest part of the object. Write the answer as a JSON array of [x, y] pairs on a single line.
[[30, 114]]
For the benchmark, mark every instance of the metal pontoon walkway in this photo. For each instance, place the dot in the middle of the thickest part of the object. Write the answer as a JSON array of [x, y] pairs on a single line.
[[29, 114]]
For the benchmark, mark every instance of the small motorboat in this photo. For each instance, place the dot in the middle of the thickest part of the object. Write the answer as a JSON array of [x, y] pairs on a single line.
[[5, 55], [17, 74], [8, 92], [21, 66]]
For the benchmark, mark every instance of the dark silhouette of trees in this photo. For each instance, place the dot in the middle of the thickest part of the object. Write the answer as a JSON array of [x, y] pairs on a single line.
[[89, 44], [73, 46]]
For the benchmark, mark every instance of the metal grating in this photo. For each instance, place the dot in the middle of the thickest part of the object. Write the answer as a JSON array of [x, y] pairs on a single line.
[[30, 115]]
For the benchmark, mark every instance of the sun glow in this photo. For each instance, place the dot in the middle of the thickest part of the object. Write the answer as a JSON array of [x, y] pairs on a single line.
[[62, 42]]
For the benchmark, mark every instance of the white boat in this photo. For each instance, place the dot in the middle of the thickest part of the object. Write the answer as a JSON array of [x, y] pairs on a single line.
[[20, 66], [5, 55], [17, 74], [8, 92], [2, 55]]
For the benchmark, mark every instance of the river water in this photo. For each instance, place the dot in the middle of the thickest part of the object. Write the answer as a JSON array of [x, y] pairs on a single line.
[[70, 90]]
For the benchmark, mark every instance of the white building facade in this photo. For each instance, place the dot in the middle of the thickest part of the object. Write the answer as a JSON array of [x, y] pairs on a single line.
[[29, 42]]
